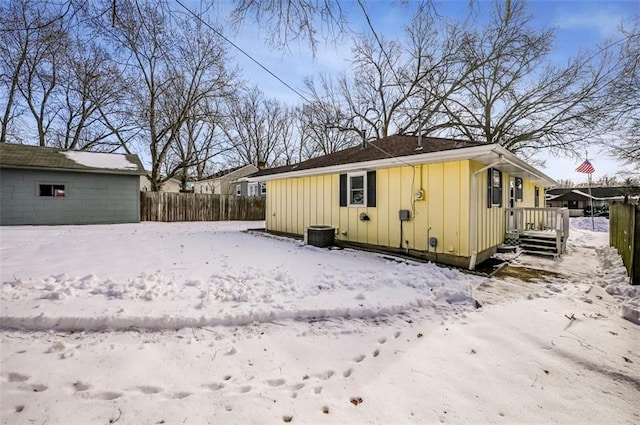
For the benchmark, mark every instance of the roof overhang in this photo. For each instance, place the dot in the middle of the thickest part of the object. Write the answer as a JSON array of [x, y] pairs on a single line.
[[116, 171], [484, 154]]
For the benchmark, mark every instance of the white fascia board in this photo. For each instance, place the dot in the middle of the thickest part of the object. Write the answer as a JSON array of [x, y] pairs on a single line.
[[411, 160]]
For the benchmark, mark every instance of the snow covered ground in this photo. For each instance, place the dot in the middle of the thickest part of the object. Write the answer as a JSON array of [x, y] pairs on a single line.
[[198, 323]]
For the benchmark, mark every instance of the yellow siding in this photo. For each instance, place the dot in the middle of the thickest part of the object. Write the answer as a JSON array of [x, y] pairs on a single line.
[[297, 203], [382, 223], [393, 204], [445, 213], [491, 221]]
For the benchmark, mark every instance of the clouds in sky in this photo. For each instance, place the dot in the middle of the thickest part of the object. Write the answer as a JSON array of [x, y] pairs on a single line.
[[601, 18]]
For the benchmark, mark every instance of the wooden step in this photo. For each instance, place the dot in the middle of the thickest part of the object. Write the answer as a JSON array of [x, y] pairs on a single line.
[[538, 245], [549, 254], [538, 242]]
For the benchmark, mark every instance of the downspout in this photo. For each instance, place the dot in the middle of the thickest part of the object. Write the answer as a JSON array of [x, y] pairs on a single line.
[[474, 211]]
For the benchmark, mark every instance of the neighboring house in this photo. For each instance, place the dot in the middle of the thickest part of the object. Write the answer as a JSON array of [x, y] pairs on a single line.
[[172, 185], [579, 199], [41, 185], [442, 199], [223, 182], [245, 187]]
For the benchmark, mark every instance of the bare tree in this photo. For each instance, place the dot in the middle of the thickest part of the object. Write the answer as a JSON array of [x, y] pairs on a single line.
[[173, 65], [493, 83], [396, 86], [293, 19], [55, 76], [256, 128], [200, 140], [89, 83], [325, 127], [625, 99], [34, 40], [514, 96]]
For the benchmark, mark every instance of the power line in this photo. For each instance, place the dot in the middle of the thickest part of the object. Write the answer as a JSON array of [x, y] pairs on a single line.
[[241, 50]]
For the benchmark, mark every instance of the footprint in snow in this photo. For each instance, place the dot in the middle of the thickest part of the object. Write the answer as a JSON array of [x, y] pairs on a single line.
[[382, 340], [17, 377], [79, 386], [179, 395], [214, 387], [244, 389], [147, 389], [275, 382], [397, 334], [347, 373], [376, 353], [231, 352], [328, 374], [35, 388], [317, 390], [107, 395], [359, 358]]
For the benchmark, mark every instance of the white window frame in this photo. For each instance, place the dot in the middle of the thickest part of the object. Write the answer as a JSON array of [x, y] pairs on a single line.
[[238, 190], [263, 188], [252, 188], [350, 176]]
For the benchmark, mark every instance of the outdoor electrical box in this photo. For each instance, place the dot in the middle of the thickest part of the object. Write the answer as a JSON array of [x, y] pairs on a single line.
[[405, 215], [433, 242]]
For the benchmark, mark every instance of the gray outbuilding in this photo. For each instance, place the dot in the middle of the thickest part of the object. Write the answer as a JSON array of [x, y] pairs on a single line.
[[51, 186]]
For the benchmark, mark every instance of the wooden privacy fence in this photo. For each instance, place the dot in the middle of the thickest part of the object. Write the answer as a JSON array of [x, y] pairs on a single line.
[[624, 235], [161, 206]]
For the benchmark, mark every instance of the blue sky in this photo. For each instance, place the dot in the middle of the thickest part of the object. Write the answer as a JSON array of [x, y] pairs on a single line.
[[578, 24]]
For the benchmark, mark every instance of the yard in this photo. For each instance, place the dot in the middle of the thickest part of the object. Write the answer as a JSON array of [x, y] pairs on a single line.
[[192, 323]]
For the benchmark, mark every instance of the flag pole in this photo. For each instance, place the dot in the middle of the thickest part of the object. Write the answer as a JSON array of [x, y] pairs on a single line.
[[593, 226]]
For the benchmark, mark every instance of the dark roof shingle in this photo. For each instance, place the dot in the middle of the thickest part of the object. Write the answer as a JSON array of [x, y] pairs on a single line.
[[388, 147]]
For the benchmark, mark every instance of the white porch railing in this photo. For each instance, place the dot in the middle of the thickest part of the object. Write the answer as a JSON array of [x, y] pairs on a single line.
[[541, 221]]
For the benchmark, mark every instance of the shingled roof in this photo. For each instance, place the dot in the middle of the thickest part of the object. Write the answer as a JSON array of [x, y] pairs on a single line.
[[43, 158], [389, 147], [601, 193]]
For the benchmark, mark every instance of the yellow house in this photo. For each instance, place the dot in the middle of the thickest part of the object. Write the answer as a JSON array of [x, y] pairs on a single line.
[[451, 201]]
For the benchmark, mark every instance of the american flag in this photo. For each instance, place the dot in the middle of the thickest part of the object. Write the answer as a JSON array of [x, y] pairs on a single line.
[[586, 167]]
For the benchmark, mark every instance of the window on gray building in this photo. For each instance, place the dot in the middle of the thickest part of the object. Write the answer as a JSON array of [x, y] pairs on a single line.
[[56, 190]]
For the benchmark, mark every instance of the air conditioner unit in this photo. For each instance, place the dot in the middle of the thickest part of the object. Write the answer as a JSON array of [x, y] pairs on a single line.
[[419, 195]]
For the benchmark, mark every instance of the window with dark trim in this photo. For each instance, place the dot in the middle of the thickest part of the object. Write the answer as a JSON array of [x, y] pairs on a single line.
[[263, 188], [494, 188], [536, 199], [358, 189], [518, 189], [55, 190]]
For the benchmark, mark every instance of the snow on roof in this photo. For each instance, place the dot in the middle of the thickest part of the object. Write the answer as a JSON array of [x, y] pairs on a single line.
[[101, 160]]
